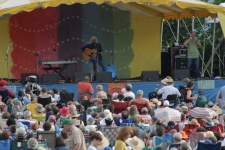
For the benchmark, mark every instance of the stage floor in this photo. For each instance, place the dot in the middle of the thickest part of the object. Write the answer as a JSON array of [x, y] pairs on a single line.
[[147, 87]]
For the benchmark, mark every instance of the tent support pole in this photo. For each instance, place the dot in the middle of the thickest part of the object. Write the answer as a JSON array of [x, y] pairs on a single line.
[[193, 23], [171, 29], [203, 52], [178, 30], [213, 46], [161, 34]]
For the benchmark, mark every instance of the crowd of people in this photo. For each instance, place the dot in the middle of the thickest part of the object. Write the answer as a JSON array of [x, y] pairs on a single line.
[[98, 127]]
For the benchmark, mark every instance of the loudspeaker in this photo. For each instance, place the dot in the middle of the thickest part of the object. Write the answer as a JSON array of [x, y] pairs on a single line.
[[50, 78], [165, 64], [78, 76], [180, 74], [180, 62], [24, 75], [104, 76], [150, 76]]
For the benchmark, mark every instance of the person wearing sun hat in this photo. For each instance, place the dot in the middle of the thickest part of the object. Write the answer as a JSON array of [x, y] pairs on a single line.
[[135, 143], [76, 136], [104, 143], [74, 117], [40, 114], [65, 111], [215, 108], [3, 88], [155, 103], [208, 122], [168, 90], [184, 135]]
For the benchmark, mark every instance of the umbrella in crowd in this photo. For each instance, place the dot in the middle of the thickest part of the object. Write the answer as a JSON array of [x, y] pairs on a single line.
[[199, 112], [167, 114]]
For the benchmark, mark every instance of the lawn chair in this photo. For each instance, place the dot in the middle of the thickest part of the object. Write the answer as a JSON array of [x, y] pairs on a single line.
[[119, 106], [195, 138], [210, 146]]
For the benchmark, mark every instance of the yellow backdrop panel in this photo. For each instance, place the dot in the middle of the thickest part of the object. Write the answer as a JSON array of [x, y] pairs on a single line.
[[145, 44], [4, 41]]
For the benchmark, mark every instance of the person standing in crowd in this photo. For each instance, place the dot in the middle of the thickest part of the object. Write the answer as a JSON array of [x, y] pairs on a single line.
[[97, 46], [193, 54], [96, 139], [220, 97], [85, 86], [59, 144], [76, 137], [123, 134], [188, 99], [128, 92], [44, 94]]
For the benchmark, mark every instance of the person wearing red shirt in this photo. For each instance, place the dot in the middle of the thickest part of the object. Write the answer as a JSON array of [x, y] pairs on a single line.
[[3, 88], [85, 86]]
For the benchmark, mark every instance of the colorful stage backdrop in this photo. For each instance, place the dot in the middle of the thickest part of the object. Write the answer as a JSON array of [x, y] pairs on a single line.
[[59, 33]]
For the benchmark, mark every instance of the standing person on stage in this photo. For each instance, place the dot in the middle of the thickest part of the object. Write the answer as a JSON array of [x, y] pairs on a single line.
[[97, 46], [192, 53]]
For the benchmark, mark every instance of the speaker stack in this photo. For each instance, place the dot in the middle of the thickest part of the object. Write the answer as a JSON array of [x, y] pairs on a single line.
[[50, 78], [150, 76]]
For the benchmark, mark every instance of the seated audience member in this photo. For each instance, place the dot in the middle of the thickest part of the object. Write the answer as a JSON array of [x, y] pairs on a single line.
[[74, 117], [65, 137], [59, 144], [135, 132], [65, 111], [27, 117], [159, 133], [72, 107], [168, 90], [48, 127], [114, 97], [89, 112], [85, 86], [12, 130], [44, 94], [185, 146], [184, 109], [32, 144], [133, 111], [155, 103], [140, 100], [3, 120], [207, 137], [90, 125], [107, 121], [100, 93], [50, 92], [24, 99], [10, 121], [145, 116], [123, 134], [218, 136], [166, 103], [182, 123], [208, 122], [40, 113], [96, 139], [120, 98], [177, 139], [54, 112], [56, 95], [111, 108], [3, 88], [128, 92], [152, 125], [20, 135], [171, 124], [123, 119], [5, 135], [32, 105]]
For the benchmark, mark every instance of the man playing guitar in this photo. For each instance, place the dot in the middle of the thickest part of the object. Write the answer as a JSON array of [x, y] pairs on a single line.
[[93, 51]]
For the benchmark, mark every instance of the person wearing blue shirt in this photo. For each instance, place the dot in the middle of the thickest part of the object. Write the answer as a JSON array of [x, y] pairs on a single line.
[[21, 96]]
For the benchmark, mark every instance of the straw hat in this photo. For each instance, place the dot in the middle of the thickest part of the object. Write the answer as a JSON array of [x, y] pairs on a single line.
[[155, 102], [74, 114], [169, 80], [208, 134], [135, 143], [193, 122], [214, 107], [208, 120], [215, 121], [107, 112], [164, 81], [104, 143], [40, 108]]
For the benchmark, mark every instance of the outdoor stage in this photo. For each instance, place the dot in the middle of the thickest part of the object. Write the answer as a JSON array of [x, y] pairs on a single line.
[[147, 87]]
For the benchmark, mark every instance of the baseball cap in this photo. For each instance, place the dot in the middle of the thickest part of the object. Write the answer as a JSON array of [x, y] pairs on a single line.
[[154, 118], [166, 103], [66, 121]]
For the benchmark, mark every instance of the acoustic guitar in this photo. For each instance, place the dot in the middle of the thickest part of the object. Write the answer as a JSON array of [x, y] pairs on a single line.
[[93, 53]]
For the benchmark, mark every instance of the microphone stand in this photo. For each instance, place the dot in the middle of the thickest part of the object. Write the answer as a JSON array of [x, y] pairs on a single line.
[[37, 54], [7, 59]]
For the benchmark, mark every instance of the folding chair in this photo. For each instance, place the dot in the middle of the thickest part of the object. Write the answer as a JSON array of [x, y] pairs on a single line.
[[167, 140], [26, 123], [5, 96], [49, 136], [188, 128], [83, 94], [41, 143], [173, 99], [44, 101], [87, 140], [85, 103], [5, 144], [18, 110], [110, 133], [194, 138], [139, 106], [174, 146], [210, 146], [66, 97], [119, 106], [15, 145], [157, 140], [105, 102]]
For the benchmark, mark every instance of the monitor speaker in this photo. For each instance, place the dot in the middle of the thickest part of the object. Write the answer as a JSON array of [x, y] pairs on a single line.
[[24, 75], [150, 76], [50, 78], [180, 74], [104, 76], [78, 76]]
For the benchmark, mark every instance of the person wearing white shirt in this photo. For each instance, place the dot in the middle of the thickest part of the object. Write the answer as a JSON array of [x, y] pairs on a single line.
[[128, 92], [168, 90]]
